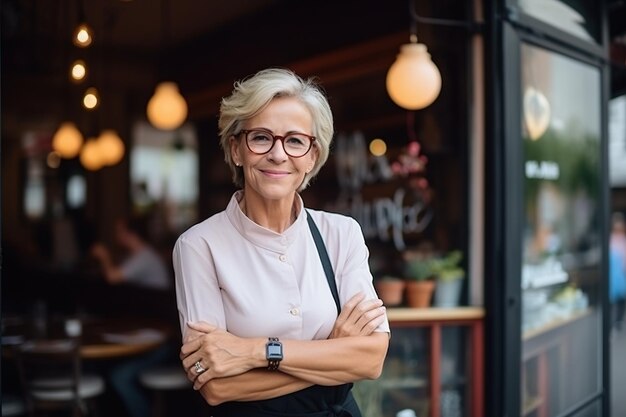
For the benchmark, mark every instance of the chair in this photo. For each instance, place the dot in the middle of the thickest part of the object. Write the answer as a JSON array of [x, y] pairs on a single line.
[[51, 378], [161, 379]]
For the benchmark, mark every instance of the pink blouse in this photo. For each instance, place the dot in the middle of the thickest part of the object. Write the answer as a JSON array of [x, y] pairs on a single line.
[[254, 282]]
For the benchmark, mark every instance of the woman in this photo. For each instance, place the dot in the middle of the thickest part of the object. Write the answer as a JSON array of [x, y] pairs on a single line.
[[261, 330]]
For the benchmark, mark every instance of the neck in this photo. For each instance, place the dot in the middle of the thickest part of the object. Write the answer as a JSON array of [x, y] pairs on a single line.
[[273, 215]]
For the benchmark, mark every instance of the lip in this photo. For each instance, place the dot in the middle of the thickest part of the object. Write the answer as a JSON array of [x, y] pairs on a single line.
[[274, 174]]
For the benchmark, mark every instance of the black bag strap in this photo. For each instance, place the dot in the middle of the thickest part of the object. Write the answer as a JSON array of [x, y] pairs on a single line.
[[328, 268]]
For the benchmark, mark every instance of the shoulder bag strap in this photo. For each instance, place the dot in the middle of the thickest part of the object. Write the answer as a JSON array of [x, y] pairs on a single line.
[[328, 268]]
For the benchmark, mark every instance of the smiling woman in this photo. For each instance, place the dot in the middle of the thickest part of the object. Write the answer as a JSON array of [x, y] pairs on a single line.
[[262, 332]]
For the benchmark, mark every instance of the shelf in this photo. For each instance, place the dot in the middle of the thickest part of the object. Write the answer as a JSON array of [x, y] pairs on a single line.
[[554, 324], [435, 314]]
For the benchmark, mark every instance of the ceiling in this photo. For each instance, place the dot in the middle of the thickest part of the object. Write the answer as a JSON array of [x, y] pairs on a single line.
[[36, 33], [125, 24]]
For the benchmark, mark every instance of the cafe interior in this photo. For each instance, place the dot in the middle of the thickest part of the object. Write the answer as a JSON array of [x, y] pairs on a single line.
[[110, 139]]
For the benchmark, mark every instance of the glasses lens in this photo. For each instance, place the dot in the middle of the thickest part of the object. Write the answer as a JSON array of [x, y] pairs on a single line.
[[259, 141], [296, 144]]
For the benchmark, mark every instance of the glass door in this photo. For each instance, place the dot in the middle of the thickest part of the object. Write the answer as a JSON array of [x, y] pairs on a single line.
[[561, 238]]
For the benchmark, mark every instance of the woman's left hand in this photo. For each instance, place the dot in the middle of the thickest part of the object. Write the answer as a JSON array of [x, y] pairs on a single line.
[[358, 317], [218, 352]]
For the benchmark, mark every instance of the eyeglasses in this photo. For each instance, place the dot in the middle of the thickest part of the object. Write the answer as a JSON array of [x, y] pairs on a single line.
[[261, 141]]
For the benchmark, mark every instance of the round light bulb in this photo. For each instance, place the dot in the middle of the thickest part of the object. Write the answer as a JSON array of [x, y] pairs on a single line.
[[413, 80], [110, 147], [78, 71], [90, 100], [378, 147], [167, 109], [83, 35], [67, 140], [90, 155]]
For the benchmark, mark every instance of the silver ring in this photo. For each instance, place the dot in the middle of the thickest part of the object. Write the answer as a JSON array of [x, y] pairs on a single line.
[[199, 368]]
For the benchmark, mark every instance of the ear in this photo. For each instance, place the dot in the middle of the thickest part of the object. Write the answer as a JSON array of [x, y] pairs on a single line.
[[313, 159], [235, 151]]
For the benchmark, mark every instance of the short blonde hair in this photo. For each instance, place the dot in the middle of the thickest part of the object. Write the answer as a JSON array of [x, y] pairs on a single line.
[[252, 94]]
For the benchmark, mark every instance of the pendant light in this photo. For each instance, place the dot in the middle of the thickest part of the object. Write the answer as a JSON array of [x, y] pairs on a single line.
[[110, 147], [413, 80], [82, 36], [90, 156], [78, 71], [67, 140], [167, 109]]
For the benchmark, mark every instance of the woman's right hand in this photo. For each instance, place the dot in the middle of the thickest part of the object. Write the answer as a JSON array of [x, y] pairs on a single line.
[[358, 317]]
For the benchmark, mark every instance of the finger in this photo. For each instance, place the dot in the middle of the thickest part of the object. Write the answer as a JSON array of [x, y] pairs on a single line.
[[201, 326], [189, 347], [351, 304], [191, 334], [202, 379], [364, 307], [192, 370], [370, 327], [370, 320]]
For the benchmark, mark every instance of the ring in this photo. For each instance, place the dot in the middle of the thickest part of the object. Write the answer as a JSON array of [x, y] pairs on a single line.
[[199, 368]]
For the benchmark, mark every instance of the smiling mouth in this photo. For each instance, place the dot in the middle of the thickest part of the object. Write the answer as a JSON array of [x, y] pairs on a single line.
[[275, 174]]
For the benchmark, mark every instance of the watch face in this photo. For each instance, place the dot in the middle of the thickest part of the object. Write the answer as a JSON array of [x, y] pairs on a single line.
[[274, 350]]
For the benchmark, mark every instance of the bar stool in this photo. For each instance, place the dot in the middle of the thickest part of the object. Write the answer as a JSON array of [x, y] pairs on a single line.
[[161, 380]]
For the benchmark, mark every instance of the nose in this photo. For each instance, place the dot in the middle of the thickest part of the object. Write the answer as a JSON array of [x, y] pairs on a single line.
[[277, 152]]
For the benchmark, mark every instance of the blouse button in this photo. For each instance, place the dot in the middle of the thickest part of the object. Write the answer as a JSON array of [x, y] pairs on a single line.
[[283, 258], [294, 311]]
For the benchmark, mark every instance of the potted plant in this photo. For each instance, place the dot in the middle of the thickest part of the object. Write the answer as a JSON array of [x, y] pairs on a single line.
[[420, 284], [449, 275], [390, 289]]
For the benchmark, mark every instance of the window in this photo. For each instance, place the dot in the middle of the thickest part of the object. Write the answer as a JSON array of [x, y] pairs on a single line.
[[164, 173]]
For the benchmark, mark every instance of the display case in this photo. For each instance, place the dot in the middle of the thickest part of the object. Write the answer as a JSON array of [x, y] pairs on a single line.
[[435, 357]]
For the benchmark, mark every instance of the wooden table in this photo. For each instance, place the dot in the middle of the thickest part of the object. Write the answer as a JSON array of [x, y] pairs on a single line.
[[435, 319], [101, 338]]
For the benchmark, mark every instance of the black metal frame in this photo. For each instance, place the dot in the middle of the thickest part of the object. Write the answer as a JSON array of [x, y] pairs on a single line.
[[506, 31]]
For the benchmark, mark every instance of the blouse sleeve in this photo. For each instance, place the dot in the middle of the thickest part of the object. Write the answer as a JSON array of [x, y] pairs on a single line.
[[197, 289], [355, 274]]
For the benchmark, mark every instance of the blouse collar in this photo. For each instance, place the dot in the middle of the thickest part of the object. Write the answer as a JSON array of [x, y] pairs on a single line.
[[259, 235]]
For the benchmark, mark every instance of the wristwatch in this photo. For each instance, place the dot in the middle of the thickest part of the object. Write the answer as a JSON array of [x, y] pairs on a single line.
[[273, 353]]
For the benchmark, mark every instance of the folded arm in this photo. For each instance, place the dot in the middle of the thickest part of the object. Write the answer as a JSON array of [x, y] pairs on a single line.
[[235, 365]]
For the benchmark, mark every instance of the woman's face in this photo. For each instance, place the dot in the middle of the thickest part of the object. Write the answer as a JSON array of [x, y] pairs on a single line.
[[275, 175]]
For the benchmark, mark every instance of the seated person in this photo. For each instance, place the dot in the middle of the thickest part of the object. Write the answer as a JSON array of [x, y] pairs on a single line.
[[149, 280], [142, 267]]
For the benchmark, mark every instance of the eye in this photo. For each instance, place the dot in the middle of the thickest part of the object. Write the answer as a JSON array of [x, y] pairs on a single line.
[[297, 140], [257, 136]]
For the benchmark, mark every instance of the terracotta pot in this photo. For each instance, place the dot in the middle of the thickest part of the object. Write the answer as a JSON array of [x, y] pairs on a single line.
[[419, 293], [390, 291]]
